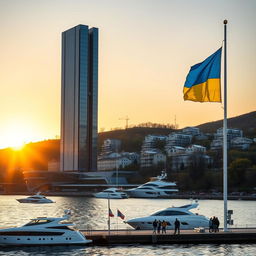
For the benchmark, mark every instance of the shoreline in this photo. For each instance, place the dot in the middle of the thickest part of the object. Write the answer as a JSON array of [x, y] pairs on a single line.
[[183, 196]]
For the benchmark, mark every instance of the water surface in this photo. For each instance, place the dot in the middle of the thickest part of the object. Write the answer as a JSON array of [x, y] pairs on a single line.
[[92, 213]]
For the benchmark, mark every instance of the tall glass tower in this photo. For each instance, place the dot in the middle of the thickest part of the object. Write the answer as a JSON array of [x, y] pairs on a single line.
[[79, 99]]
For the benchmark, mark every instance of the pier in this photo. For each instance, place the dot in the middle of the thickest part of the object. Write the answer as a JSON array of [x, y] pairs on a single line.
[[119, 237]]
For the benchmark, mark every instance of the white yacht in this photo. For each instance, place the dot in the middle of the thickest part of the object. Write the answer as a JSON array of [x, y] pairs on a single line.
[[188, 219], [154, 189], [43, 231], [111, 193], [35, 199]]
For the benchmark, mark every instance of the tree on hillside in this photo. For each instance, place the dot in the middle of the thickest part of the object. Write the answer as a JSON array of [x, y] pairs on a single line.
[[197, 166], [237, 171]]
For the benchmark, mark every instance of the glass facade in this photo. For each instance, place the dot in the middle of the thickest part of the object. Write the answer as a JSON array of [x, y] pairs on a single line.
[[94, 94], [79, 110], [83, 99]]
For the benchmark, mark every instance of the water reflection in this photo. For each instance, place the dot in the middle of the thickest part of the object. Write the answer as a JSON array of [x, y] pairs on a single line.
[[93, 213]]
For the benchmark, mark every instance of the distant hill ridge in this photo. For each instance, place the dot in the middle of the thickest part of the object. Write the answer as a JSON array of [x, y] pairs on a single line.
[[245, 122], [132, 138]]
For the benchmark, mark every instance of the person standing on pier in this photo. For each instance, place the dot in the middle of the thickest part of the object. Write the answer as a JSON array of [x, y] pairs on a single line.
[[159, 226], [154, 226], [217, 224], [210, 225], [164, 224], [177, 226]]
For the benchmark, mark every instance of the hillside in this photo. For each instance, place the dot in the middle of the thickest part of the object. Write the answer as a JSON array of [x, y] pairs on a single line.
[[245, 122], [36, 155], [132, 138]]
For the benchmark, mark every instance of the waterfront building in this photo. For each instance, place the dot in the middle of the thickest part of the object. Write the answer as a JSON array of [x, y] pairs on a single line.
[[79, 99]]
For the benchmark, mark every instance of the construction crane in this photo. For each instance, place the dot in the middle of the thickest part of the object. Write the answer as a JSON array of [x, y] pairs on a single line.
[[126, 121]]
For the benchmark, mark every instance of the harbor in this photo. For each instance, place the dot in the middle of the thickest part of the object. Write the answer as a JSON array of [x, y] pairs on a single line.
[[90, 217]]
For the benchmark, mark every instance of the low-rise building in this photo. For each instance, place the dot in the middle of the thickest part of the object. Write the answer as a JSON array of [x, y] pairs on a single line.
[[178, 139], [231, 133], [191, 131], [114, 161], [152, 157], [110, 145], [182, 161], [182, 157], [201, 136], [150, 141], [196, 149], [174, 150], [216, 144], [241, 143]]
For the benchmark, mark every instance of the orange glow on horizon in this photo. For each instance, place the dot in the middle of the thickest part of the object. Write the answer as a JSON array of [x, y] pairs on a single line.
[[17, 133]]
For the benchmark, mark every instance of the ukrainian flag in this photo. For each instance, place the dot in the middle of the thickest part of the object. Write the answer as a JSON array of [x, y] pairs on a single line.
[[203, 80]]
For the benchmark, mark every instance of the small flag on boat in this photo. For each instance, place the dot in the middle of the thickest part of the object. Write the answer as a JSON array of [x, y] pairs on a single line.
[[119, 214], [110, 213]]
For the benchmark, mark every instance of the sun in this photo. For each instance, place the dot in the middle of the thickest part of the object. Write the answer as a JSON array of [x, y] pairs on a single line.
[[16, 135], [16, 140]]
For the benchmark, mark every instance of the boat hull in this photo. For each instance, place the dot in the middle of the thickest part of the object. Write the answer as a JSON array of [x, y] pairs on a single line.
[[69, 239], [98, 195], [145, 193], [34, 201], [186, 223]]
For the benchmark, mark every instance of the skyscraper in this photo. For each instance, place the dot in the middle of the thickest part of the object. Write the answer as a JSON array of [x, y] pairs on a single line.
[[79, 99]]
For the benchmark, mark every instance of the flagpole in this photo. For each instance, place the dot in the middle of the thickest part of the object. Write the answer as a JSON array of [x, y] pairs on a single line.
[[225, 178], [108, 215], [117, 223]]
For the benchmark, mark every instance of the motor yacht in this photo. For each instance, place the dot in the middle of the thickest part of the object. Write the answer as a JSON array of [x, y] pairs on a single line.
[[157, 188], [35, 199], [188, 219], [43, 231], [111, 193]]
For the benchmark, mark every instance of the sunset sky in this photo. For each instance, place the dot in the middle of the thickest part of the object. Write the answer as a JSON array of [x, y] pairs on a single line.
[[146, 48]]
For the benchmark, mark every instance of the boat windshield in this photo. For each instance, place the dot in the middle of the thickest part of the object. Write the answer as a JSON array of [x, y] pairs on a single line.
[[168, 187], [186, 206], [169, 213], [38, 222], [36, 197]]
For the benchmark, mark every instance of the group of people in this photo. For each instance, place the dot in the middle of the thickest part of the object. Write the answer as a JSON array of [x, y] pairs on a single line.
[[214, 224], [159, 226]]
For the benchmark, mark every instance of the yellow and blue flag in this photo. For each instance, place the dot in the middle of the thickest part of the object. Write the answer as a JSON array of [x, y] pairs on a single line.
[[203, 80]]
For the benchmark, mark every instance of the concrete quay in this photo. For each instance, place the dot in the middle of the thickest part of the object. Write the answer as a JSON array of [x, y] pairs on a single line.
[[119, 237]]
